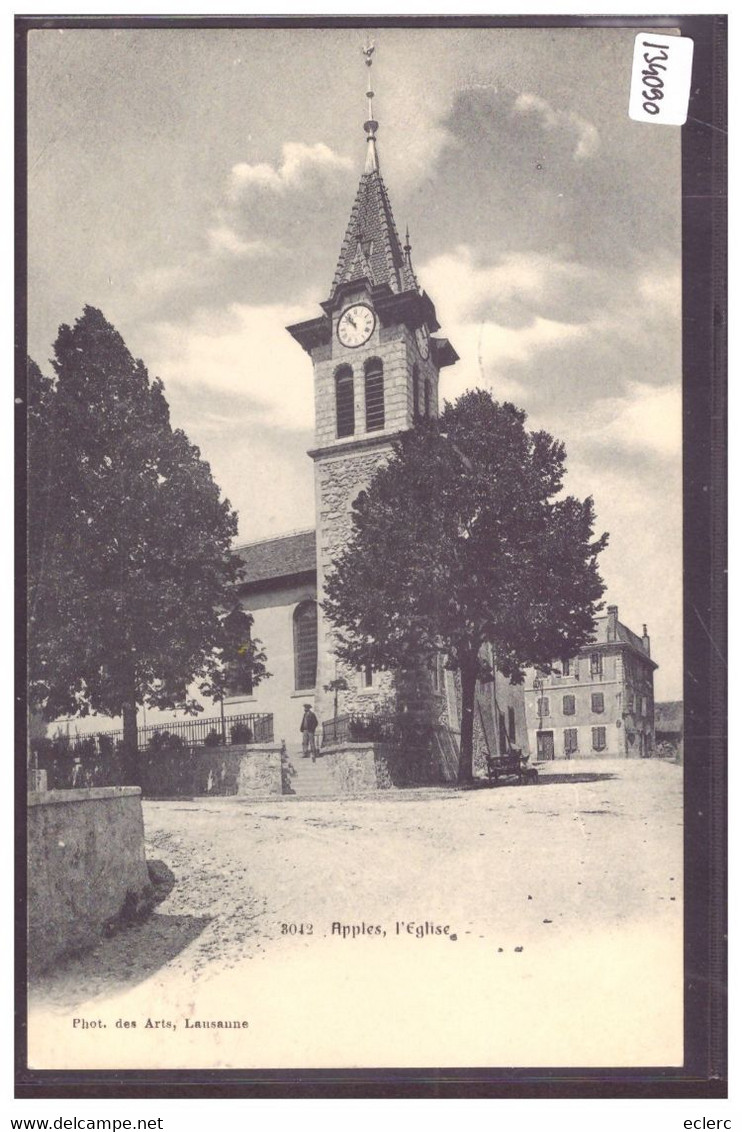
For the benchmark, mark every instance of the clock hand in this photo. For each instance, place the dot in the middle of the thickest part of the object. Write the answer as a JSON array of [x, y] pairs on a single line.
[[352, 321]]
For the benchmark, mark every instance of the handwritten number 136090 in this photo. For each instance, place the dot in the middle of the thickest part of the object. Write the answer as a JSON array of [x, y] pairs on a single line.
[[652, 81]]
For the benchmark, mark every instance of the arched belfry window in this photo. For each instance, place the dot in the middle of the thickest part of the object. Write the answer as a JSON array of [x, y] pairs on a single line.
[[415, 394], [344, 404], [305, 645], [374, 374]]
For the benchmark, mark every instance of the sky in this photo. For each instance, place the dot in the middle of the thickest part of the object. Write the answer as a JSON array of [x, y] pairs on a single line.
[[195, 185]]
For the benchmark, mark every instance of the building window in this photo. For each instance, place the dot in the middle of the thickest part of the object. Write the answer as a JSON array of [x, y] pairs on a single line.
[[570, 740], [644, 705], [427, 398], [415, 394], [239, 670], [596, 664], [630, 701], [344, 405], [568, 705], [374, 372], [542, 706], [597, 703], [368, 676], [598, 738], [565, 667], [511, 724], [305, 645]]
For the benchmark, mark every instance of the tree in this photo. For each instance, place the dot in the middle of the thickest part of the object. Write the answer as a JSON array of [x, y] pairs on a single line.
[[242, 660], [130, 567], [462, 540]]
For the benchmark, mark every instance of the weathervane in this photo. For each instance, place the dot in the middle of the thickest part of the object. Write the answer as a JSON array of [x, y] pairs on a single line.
[[370, 125]]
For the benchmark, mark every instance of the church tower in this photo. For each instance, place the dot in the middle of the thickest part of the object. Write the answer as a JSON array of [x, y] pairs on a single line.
[[376, 366]]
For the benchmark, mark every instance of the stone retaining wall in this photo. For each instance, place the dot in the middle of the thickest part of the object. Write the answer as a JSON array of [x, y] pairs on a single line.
[[360, 768], [86, 865], [252, 770]]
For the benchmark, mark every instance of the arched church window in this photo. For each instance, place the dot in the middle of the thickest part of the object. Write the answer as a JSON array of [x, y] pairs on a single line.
[[374, 372], [344, 406], [415, 394], [305, 645]]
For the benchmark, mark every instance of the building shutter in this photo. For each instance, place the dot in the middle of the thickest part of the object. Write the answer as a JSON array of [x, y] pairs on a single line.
[[570, 740], [598, 738], [568, 705], [374, 395], [597, 703], [345, 409]]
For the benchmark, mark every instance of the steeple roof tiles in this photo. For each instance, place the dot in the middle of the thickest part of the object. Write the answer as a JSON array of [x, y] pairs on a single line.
[[371, 248]]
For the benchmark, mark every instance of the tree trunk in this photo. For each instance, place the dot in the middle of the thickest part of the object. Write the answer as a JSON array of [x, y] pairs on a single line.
[[131, 753], [468, 692]]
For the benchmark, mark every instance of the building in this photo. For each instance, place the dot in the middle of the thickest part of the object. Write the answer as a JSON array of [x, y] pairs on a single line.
[[376, 358], [599, 703]]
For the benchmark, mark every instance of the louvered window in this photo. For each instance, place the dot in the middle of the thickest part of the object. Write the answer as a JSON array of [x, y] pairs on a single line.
[[374, 395], [346, 418], [415, 393], [568, 705], [598, 738], [305, 645], [597, 703], [570, 740]]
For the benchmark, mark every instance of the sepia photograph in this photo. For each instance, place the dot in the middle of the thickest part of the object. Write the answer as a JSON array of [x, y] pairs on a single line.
[[355, 621]]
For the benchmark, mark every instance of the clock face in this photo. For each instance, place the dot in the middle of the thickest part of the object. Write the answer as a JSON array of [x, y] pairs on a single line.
[[423, 344], [356, 325]]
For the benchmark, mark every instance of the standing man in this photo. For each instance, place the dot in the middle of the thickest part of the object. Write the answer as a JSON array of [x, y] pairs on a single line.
[[308, 727]]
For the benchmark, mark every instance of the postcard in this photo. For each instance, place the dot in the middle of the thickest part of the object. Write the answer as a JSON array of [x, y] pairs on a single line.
[[356, 625]]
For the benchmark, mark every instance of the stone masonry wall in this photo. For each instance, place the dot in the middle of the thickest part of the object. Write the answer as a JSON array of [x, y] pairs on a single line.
[[86, 864], [253, 771], [338, 480]]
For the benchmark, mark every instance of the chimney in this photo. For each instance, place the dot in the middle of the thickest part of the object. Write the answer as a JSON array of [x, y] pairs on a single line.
[[612, 612], [645, 640]]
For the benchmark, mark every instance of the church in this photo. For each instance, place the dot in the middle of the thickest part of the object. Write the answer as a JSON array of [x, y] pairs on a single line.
[[376, 357]]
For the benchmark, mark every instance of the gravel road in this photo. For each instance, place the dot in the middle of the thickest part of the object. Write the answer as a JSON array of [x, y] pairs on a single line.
[[518, 925]]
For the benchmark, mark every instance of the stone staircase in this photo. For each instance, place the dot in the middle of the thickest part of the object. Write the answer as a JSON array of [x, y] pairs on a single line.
[[312, 779]]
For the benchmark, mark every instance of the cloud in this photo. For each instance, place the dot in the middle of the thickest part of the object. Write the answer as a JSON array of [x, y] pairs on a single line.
[[245, 352], [647, 419], [300, 163], [224, 240], [588, 138], [501, 316]]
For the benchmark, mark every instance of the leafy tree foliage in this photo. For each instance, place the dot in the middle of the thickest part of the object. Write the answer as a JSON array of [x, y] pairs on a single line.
[[243, 658], [130, 568], [461, 540]]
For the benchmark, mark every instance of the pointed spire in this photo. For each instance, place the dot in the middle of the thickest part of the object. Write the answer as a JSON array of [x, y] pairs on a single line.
[[370, 125], [372, 248], [407, 248]]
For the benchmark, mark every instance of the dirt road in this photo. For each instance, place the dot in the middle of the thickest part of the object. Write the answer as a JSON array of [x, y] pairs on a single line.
[[517, 926]]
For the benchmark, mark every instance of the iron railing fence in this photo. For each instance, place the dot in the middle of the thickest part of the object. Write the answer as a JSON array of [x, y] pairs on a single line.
[[370, 727], [252, 727]]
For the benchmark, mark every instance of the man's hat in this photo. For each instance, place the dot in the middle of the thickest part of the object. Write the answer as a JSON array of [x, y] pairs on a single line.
[[309, 706]]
